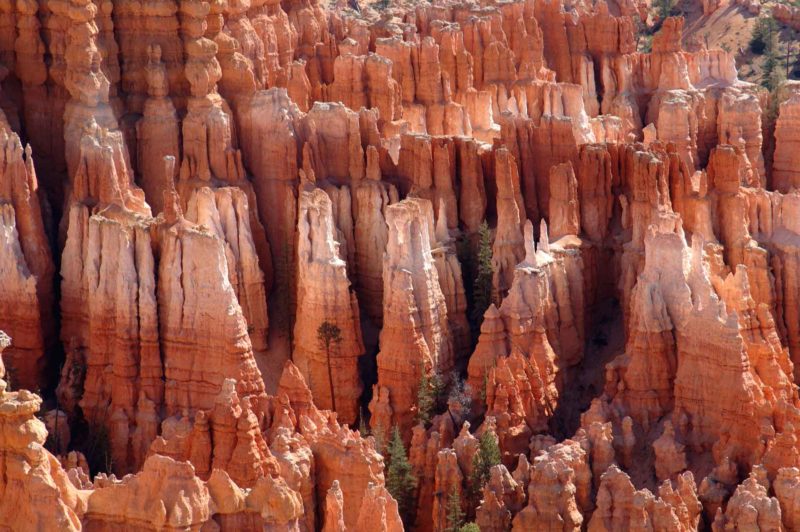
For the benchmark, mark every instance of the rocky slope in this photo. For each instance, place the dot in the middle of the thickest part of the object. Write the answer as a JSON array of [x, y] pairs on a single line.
[[234, 232]]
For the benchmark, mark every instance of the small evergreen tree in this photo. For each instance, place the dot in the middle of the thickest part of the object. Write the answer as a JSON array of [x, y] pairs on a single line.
[[424, 400], [488, 456], [400, 479], [470, 527], [762, 39], [329, 335], [429, 396], [455, 514], [773, 73], [482, 288]]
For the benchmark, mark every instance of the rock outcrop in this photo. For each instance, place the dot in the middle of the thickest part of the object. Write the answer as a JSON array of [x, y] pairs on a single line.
[[26, 303], [415, 339], [269, 215], [327, 338], [208, 312]]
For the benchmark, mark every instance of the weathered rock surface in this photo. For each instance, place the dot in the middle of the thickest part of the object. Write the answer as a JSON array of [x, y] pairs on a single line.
[[415, 338], [645, 252], [206, 311], [327, 338], [26, 303]]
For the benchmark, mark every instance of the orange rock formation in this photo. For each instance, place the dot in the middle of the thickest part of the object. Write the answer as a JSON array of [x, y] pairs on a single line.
[[267, 219]]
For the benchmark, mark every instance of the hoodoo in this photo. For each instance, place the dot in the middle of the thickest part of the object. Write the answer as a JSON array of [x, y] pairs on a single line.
[[501, 265]]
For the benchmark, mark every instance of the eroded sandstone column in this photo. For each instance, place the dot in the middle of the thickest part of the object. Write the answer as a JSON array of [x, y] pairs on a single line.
[[27, 272], [327, 332], [157, 133], [785, 174], [108, 304], [226, 212], [138, 26], [206, 314], [371, 199], [415, 338], [508, 248]]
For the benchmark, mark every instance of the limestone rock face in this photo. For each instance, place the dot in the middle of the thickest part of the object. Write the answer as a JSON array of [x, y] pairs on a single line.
[[157, 133], [378, 511], [296, 462], [750, 506], [209, 313], [670, 455], [415, 338], [451, 282], [51, 500], [371, 234], [508, 248], [788, 15], [110, 321], [619, 504], [558, 491], [240, 186], [334, 503], [27, 272], [167, 491], [564, 207], [785, 486], [115, 336], [327, 339], [541, 322], [184, 498], [340, 454], [491, 347], [138, 27], [502, 496], [447, 480], [228, 214], [784, 173], [238, 445]]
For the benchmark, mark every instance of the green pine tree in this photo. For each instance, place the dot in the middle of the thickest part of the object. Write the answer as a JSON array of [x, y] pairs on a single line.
[[329, 335], [470, 527], [430, 397], [762, 40], [773, 72], [424, 400], [455, 514], [488, 456], [400, 479], [482, 287]]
